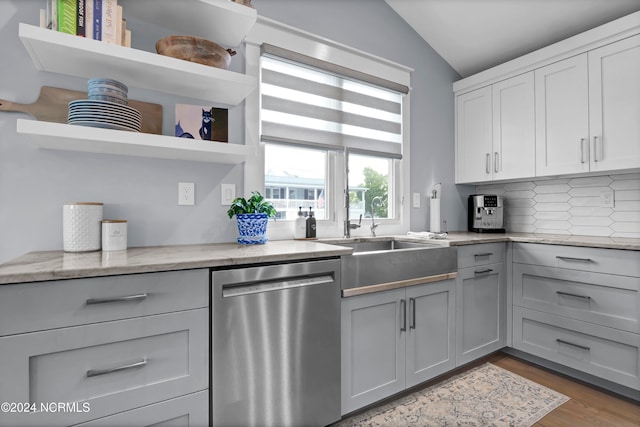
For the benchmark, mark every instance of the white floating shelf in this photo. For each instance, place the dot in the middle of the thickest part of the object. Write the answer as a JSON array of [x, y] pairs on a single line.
[[77, 56], [221, 21], [58, 136]]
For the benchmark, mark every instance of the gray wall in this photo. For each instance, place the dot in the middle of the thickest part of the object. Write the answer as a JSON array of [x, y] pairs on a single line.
[[35, 183]]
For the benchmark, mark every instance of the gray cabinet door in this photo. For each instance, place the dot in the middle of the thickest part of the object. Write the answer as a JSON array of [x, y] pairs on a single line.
[[481, 311], [373, 347], [430, 329]]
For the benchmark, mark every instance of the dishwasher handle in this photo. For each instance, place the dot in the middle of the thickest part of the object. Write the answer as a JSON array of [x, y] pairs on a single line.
[[279, 284]]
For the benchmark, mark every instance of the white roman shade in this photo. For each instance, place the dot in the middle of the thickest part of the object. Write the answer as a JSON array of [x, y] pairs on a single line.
[[310, 102]]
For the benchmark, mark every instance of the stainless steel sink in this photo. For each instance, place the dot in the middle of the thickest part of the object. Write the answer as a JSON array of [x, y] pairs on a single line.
[[375, 262]]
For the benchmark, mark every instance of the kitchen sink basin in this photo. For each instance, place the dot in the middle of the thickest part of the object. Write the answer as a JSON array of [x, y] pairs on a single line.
[[376, 262]]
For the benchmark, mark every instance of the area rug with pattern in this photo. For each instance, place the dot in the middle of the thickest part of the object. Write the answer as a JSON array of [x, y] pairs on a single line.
[[483, 396]]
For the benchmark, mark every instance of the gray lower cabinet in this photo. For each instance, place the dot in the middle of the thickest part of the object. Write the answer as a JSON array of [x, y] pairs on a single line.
[[395, 339], [481, 301], [111, 350], [579, 307]]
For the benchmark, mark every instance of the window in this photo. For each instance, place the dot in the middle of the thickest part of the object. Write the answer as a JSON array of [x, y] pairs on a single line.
[[332, 130]]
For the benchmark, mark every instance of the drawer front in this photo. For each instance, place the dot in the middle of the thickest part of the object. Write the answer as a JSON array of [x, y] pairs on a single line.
[[111, 366], [603, 352], [37, 306], [613, 261], [603, 299], [474, 255], [185, 411]]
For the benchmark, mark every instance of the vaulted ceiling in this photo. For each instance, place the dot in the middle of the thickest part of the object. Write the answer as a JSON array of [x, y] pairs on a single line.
[[473, 35]]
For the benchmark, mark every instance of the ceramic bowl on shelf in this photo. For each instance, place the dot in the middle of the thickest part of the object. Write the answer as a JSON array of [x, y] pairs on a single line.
[[195, 49]]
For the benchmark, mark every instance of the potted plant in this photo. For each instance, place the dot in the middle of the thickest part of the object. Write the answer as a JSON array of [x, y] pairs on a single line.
[[253, 215]]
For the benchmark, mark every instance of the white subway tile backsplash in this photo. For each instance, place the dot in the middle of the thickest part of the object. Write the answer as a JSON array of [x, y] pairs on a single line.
[[552, 197], [552, 188], [591, 181], [572, 205], [552, 216], [623, 195], [626, 216], [587, 191], [517, 186], [599, 221], [626, 184]]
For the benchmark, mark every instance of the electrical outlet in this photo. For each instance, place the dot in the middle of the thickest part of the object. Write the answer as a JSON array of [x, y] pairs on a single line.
[[228, 193], [416, 200], [186, 194], [607, 199]]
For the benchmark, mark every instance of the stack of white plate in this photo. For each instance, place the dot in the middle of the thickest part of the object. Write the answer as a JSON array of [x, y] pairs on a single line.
[[104, 114], [108, 90]]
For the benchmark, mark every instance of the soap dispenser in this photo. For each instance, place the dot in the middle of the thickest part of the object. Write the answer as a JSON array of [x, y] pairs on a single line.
[[300, 226], [311, 225]]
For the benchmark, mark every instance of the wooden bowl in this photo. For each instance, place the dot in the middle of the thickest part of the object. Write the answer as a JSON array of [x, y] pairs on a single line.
[[195, 49]]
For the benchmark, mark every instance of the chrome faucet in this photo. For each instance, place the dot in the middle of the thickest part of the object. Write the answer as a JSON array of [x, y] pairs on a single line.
[[348, 226], [373, 223]]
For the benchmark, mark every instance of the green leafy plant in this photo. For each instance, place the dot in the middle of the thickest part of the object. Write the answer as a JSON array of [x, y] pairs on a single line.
[[254, 204]]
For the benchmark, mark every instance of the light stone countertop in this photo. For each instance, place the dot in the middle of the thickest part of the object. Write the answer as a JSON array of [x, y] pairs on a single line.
[[54, 265], [460, 238]]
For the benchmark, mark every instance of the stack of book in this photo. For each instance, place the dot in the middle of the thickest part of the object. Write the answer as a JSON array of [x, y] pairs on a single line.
[[94, 19]]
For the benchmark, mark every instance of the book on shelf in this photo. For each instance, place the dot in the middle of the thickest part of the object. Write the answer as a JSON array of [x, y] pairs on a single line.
[[94, 19], [81, 17], [67, 13]]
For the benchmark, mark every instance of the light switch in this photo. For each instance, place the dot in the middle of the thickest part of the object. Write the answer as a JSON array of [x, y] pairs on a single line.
[[607, 199], [416, 200], [228, 193]]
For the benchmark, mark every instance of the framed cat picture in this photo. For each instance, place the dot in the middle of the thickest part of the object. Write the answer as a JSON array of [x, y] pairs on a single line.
[[202, 122]]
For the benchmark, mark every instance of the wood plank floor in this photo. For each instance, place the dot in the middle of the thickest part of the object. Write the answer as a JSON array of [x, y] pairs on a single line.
[[589, 406]]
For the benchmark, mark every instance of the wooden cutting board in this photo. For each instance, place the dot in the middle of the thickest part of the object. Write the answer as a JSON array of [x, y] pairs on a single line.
[[53, 106]]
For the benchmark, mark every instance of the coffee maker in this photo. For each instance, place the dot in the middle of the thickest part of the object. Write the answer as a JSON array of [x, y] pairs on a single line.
[[485, 214]]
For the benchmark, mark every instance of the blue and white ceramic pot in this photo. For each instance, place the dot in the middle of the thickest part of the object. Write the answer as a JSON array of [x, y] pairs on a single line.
[[252, 228]]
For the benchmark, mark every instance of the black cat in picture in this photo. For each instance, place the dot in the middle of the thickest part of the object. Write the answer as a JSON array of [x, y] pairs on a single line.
[[210, 122]]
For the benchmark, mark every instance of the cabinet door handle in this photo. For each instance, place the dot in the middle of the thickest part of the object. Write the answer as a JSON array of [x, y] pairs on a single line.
[[495, 161], [488, 270], [126, 298], [97, 372], [412, 303], [582, 140], [569, 258], [568, 294], [484, 254], [581, 347], [595, 149], [487, 166], [403, 306]]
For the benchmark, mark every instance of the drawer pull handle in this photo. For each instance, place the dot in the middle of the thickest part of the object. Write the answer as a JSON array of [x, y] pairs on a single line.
[[581, 347], [485, 254], [97, 372], [126, 298], [569, 258], [573, 295], [488, 270]]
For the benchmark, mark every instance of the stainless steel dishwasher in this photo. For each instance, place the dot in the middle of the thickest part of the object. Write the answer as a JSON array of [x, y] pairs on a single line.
[[275, 345]]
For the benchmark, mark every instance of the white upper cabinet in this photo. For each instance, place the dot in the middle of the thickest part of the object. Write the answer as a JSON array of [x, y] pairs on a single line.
[[562, 117], [495, 131], [474, 136], [571, 108], [614, 107], [514, 128]]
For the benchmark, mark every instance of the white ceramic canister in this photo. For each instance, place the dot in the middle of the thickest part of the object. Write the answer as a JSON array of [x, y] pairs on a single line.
[[114, 235], [81, 226]]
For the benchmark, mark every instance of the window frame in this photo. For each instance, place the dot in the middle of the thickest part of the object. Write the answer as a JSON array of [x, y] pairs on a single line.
[[272, 32]]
